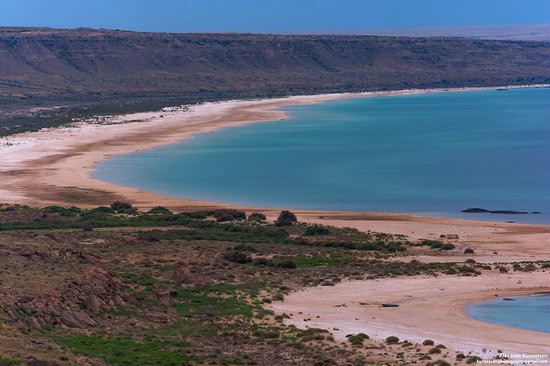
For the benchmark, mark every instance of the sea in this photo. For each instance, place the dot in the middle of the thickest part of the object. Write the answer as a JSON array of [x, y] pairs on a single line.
[[433, 154]]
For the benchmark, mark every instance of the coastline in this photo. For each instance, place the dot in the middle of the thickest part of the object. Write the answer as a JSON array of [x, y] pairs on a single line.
[[446, 321], [55, 166]]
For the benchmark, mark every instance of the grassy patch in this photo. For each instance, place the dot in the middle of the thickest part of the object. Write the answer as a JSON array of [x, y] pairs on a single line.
[[216, 301], [125, 351], [316, 261]]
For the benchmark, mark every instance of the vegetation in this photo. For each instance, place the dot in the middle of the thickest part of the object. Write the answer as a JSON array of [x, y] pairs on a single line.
[[286, 218], [178, 288]]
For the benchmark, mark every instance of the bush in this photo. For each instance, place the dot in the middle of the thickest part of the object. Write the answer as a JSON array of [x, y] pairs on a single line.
[[286, 218], [237, 257], [87, 227], [286, 263], [392, 340], [229, 214], [257, 217], [119, 206], [436, 244], [150, 236], [434, 350], [468, 250], [159, 210], [357, 339], [316, 230], [428, 342]]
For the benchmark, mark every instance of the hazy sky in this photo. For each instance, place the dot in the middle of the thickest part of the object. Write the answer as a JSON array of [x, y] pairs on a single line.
[[284, 16]]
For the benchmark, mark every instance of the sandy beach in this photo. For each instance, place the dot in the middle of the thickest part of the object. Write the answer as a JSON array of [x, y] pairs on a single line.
[[54, 166], [429, 308]]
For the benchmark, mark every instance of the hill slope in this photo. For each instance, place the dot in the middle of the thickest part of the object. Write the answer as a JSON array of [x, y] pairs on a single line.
[[44, 67]]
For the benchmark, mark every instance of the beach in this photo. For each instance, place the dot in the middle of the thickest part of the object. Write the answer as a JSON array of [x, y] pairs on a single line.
[[55, 166], [429, 308]]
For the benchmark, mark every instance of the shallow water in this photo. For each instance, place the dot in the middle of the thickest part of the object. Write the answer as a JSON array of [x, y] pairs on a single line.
[[433, 154], [525, 312]]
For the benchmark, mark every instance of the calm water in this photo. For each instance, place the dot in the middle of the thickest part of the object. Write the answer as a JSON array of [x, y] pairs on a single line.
[[525, 312], [433, 154]]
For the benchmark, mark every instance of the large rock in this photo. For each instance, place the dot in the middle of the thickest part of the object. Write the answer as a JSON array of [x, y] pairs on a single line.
[[77, 319], [93, 304], [181, 274]]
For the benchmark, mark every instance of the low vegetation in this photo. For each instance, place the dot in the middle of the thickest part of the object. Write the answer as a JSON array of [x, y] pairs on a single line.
[[118, 286]]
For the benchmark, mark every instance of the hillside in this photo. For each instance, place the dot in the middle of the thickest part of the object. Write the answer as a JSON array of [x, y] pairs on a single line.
[[107, 71]]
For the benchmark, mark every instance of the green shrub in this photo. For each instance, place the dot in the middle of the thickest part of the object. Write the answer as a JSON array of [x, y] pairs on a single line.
[[257, 217], [314, 230], [428, 342], [121, 207], [159, 210], [228, 214], [237, 257], [392, 340], [357, 339], [286, 218]]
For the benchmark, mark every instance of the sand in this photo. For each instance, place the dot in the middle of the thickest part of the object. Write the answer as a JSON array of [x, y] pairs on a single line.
[[430, 308], [54, 166]]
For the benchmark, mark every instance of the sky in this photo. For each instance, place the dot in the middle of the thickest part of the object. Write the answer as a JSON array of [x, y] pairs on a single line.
[[270, 16]]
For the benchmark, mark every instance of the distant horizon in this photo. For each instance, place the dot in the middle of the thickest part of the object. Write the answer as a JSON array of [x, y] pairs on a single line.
[[534, 32], [271, 17]]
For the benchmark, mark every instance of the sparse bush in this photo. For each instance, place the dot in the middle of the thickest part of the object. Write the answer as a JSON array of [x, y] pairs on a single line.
[[257, 217], [237, 257], [357, 339], [314, 230], [286, 218], [159, 210], [436, 244], [122, 207], [229, 215]]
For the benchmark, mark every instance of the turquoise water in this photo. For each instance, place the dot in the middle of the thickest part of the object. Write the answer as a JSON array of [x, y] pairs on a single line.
[[433, 154], [525, 312]]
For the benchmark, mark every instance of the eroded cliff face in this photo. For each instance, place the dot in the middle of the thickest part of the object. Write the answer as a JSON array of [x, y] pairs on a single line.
[[44, 68]]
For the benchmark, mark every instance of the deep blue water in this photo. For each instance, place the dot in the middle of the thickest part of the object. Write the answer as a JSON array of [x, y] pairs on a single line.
[[525, 312], [432, 154]]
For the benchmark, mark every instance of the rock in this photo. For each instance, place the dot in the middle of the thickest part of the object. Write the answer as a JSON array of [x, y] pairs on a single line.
[[118, 301], [76, 319], [84, 318], [165, 298], [181, 274], [35, 324], [92, 303]]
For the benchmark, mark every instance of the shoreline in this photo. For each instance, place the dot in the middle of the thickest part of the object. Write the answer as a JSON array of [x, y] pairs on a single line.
[[54, 167], [446, 322], [64, 158]]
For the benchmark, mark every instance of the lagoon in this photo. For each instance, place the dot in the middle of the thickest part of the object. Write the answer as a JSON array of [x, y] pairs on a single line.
[[431, 154], [525, 312]]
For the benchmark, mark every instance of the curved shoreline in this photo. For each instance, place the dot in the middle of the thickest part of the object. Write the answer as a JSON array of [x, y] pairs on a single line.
[[430, 308], [63, 158], [54, 167]]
